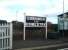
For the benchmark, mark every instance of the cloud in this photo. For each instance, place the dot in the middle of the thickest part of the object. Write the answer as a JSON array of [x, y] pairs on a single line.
[[66, 5], [56, 6], [31, 7], [3, 12], [44, 5]]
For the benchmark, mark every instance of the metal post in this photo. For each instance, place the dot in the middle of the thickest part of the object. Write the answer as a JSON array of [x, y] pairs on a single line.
[[16, 15], [63, 6], [63, 17]]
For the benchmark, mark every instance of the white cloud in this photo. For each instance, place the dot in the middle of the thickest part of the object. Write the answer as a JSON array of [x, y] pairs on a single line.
[[6, 15], [32, 7], [3, 12], [20, 2], [31, 11], [54, 8], [66, 5]]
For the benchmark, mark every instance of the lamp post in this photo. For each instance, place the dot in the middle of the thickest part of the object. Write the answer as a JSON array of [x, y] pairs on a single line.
[[16, 15]]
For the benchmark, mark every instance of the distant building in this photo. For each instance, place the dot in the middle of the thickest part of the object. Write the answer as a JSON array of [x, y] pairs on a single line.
[[63, 24], [17, 30]]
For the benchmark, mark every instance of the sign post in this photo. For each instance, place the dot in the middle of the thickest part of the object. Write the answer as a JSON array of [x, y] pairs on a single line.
[[34, 22], [46, 29], [24, 26]]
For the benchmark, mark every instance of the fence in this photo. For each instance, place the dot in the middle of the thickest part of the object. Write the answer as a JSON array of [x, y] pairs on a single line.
[[5, 36]]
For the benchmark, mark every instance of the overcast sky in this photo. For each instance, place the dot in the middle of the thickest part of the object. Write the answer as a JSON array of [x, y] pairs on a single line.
[[50, 8]]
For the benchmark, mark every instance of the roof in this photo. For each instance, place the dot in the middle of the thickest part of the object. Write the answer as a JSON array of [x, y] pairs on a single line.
[[60, 15], [63, 14]]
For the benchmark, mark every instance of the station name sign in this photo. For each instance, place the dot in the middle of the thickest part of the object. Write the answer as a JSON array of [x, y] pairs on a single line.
[[35, 21]]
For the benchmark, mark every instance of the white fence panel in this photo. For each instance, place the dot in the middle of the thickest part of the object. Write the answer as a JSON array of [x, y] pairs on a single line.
[[5, 36]]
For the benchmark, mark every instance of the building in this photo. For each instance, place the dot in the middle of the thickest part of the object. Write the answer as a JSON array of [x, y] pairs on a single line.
[[35, 27], [63, 24], [17, 30], [52, 27]]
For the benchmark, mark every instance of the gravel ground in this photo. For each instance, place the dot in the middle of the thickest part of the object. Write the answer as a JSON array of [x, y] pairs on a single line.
[[35, 43], [49, 47]]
